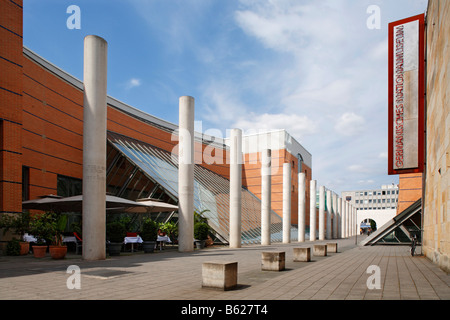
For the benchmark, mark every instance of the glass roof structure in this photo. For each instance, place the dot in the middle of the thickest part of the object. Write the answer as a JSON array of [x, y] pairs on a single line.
[[401, 229], [140, 170]]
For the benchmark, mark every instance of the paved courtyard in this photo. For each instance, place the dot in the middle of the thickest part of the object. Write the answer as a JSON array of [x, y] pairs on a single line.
[[170, 275]]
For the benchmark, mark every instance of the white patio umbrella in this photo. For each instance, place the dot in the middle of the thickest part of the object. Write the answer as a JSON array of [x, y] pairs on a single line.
[[75, 203], [147, 206], [45, 203]]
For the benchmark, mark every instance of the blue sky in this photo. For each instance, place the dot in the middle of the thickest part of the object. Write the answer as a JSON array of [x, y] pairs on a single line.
[[312, 67]]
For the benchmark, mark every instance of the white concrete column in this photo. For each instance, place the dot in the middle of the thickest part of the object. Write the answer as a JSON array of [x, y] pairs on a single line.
[[301, 206], [266, 190], [347, 219], [186, 175], [352, 220], [339, 218], [94, 148], [329, 213], [344, 218], [287, 186], [312, 210], [235, 187], [335, 216], [322, 213], [352, 224]]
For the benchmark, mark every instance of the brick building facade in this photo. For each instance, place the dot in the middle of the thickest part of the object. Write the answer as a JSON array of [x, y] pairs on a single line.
[[41, 126]]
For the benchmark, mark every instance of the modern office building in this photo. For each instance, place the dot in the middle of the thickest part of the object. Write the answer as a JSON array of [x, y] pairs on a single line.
[[41, 146], [374, 207], [373, 199]]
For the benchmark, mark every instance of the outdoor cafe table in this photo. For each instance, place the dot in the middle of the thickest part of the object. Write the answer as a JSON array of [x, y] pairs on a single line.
[[29, 238], [161, 239], [69, 239], [132, 240]]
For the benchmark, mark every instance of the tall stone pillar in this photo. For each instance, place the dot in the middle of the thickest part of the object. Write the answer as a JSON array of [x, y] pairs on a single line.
[[329, 214], [287, 202], [340, 233], [301, 206], [354, 220], [312, 210], [335, 216], [186, 175], [94, 148], [344, 219], [352, 225], [347, 219], [235, 187], [266, 190], [322, 213]]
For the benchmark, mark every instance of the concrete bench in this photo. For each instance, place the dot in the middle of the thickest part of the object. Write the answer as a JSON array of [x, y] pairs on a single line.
[[219, 275], [320, 250], [332, 247], [273, 261], [302, 254]]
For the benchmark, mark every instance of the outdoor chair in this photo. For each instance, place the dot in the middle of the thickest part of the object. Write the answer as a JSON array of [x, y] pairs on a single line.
[[79, 243]]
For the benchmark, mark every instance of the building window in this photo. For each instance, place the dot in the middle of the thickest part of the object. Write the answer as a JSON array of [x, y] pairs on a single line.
[[25, 183], [300, 161], [68, 186]]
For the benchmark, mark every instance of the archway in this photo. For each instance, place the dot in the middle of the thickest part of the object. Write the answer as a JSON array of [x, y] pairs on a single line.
[[381, 217], [367, 226]]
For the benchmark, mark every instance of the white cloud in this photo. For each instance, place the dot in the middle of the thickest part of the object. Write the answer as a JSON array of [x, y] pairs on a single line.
[[132, 83], [310, 67], [350, 124], [383, 155], [298, 126]]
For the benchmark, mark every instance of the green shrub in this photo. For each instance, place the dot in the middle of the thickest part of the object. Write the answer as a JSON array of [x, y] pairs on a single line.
[[149, 230], [115, 231], [201, 231], [13, 248]]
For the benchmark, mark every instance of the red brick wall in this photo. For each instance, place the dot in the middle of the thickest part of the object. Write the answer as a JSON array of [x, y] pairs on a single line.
[[42, 121], [251, 178], [42, 127], [11, 63], [53, 128], [410, 190]]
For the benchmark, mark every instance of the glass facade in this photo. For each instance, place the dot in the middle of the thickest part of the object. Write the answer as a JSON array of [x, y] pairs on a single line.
[[139, 170], [401, 229]]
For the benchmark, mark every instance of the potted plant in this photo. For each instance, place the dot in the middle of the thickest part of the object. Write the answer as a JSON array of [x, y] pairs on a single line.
[[201, 230], [20, 223], [41, 226], [13, 247], [171, 229], [57, 249], [115, 232], [149, 235]]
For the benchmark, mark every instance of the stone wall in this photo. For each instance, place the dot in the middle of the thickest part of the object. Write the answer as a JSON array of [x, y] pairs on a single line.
[[437, 192]]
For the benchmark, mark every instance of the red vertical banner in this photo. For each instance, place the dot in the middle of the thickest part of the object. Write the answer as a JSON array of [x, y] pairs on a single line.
[[406, 95]]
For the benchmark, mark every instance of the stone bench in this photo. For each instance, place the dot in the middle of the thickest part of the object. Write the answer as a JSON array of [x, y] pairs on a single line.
[[332, 247], [219, 275], [302, 254], [320, 250], [273, 261]]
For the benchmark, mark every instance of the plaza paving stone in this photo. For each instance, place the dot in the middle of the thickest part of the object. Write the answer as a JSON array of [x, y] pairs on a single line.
[[170, 275]]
